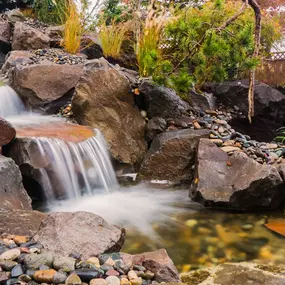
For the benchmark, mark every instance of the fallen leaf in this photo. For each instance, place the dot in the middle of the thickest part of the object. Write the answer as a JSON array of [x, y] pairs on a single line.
[[277, 226]]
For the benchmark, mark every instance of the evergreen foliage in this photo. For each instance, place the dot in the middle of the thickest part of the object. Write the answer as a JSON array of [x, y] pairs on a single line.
[[199, 50]]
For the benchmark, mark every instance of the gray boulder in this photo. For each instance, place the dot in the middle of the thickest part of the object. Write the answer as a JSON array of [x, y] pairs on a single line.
[[172, 156], [268, 101], [12, 193], [154, 127], [82, 232], [162, 102], [26, 37], [234, 182]]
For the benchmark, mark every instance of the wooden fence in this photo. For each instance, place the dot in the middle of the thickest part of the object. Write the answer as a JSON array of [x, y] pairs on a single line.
[[272, 70]]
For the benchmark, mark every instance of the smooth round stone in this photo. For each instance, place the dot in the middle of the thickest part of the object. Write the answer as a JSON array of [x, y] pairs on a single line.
[[88, 274], [104, 257], [66, 264], [12, 281], [136, 281], [125, 281], [8, 265], [44, 267], [25, 278], [73, 279], [98, 281], [112, 272], [141, 274], [132, 275], [113, 280], [34, 261], [105, 268], [139, 268], [20, 239], [10, 254], [17, 271], [45, 276], [149, 275], [59, 278], [3, 277], [30, 272], [93, 260]]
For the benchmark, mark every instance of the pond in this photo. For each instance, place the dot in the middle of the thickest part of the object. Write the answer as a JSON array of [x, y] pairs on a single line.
[[193, 237]]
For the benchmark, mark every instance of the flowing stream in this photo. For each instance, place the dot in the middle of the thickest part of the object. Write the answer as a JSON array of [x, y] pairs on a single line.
[[154, 218]]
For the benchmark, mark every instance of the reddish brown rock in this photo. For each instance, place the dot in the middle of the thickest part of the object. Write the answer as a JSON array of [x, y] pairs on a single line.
[[103, 100], [157, 262], [20, 222], [58, 81], [7, 132], [27, 38]]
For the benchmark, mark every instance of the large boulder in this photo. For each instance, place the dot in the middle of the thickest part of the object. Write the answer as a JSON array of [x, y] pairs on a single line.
[[26, 37], [5, 35], [172, 156], [162, 102], [82, 232], [46, 84], [103, 100], [12, 193], [268, 101], [20, 222], [7, 132], [156, 261], [15, 57], [243, 273], [235, 182]]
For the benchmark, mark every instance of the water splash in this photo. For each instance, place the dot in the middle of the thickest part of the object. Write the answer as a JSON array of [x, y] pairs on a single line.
[[138, 207]]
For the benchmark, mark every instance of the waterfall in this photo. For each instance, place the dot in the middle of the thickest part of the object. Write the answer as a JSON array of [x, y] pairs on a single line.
[[10, 102], [76, 169], [70, 169]]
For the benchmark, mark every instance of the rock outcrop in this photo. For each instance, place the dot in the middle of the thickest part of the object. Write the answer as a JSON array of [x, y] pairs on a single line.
[[20, 222], [268, 101], [5, 35], [82, 232], [44, 85], [172, 156], [12, 193], [103, 100], [244, 273], [162, 102], [234, 182], [26, 37]]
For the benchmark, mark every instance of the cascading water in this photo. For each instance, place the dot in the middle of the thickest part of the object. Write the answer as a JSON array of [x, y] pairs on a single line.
[[73, 169], [81, 172]]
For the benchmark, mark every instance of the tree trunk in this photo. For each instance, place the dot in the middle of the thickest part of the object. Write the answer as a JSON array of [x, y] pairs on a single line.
[[257, 35]]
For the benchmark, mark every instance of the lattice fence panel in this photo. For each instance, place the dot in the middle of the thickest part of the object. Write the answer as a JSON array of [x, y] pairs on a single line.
[[277, 56]]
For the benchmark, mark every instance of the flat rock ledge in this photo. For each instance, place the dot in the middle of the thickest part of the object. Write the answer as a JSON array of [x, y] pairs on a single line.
[[244, 273]]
